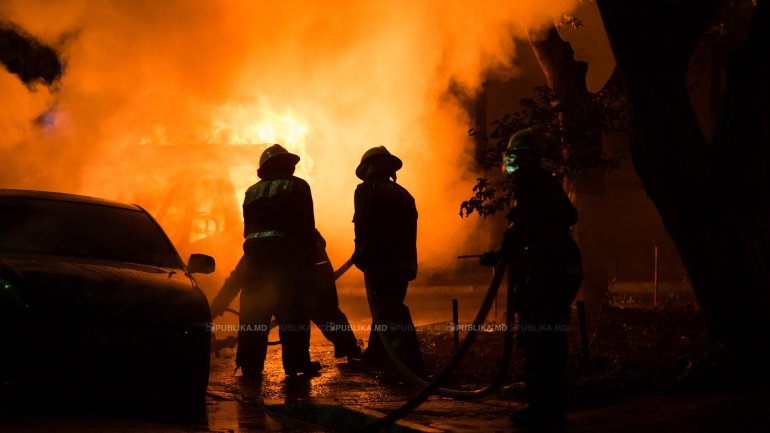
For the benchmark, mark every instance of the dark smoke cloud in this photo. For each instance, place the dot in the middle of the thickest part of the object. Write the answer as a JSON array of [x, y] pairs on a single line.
[[25, 56]]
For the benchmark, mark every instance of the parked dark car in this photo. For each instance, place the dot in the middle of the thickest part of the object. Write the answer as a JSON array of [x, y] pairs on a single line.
[[94, 296]]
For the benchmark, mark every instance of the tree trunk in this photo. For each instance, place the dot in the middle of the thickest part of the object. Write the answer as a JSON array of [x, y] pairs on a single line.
[[711, 196], [567, 77]]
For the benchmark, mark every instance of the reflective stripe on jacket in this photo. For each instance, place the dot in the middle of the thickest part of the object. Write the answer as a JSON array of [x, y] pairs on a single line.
[[283, 205]]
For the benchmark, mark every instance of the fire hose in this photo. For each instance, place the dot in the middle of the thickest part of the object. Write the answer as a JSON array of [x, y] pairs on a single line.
[[337, 274], [477, 324], [434, 385]]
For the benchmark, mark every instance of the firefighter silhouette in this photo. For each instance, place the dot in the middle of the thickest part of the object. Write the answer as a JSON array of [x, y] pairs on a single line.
[[323, 307], [385, 223], [544, 274], [279, 249]]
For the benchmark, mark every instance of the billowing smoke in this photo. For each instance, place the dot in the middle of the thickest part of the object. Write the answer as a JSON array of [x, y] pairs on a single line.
[[151, 87]]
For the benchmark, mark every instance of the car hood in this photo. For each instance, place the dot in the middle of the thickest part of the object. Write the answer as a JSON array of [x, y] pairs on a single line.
[[72, 289]]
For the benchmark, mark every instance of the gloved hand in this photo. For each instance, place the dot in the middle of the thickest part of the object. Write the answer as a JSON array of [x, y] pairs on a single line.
[[320, 241], [217, 309], [359, 259], [489, 258]]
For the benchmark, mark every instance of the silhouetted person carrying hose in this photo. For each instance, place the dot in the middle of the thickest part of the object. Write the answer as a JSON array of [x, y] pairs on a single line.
[[544, 275], [323, 305], [279, 247], [321, 301], [385, 223]]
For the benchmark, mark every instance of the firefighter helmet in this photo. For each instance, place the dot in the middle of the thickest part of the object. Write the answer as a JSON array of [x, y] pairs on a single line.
[[275, 155], [379, 156], [524, 147], [522, 141]]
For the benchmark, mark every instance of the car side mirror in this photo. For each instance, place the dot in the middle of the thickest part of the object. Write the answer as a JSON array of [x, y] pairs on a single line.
[[200, 264]]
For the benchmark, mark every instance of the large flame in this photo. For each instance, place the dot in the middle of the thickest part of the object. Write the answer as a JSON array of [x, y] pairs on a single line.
[[326, 79], [255, 126], [260, 123]]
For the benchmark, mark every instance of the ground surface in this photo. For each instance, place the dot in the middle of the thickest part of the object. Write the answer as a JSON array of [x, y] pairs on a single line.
[[650, 370]]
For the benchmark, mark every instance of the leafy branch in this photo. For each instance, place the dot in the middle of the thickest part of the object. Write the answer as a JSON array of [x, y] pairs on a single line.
[[572, 151]]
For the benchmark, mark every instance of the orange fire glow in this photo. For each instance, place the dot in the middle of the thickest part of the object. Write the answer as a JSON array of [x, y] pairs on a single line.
[[165, 99]]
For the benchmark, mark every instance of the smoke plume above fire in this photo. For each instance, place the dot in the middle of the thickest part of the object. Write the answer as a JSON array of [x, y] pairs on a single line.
[[148, 84]]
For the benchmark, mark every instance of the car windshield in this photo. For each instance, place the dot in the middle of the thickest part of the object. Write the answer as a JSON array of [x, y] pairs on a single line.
[[63, 228]]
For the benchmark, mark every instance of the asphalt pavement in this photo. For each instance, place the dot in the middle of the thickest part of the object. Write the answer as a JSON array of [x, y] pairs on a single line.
[[341, 399]]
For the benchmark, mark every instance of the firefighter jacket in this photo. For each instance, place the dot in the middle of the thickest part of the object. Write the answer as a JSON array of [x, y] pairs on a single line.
[[541, 209], [385, 223], [543, 256], [280, 207]]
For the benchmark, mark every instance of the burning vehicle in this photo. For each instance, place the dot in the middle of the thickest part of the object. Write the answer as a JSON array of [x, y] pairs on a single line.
[[94, 296]]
